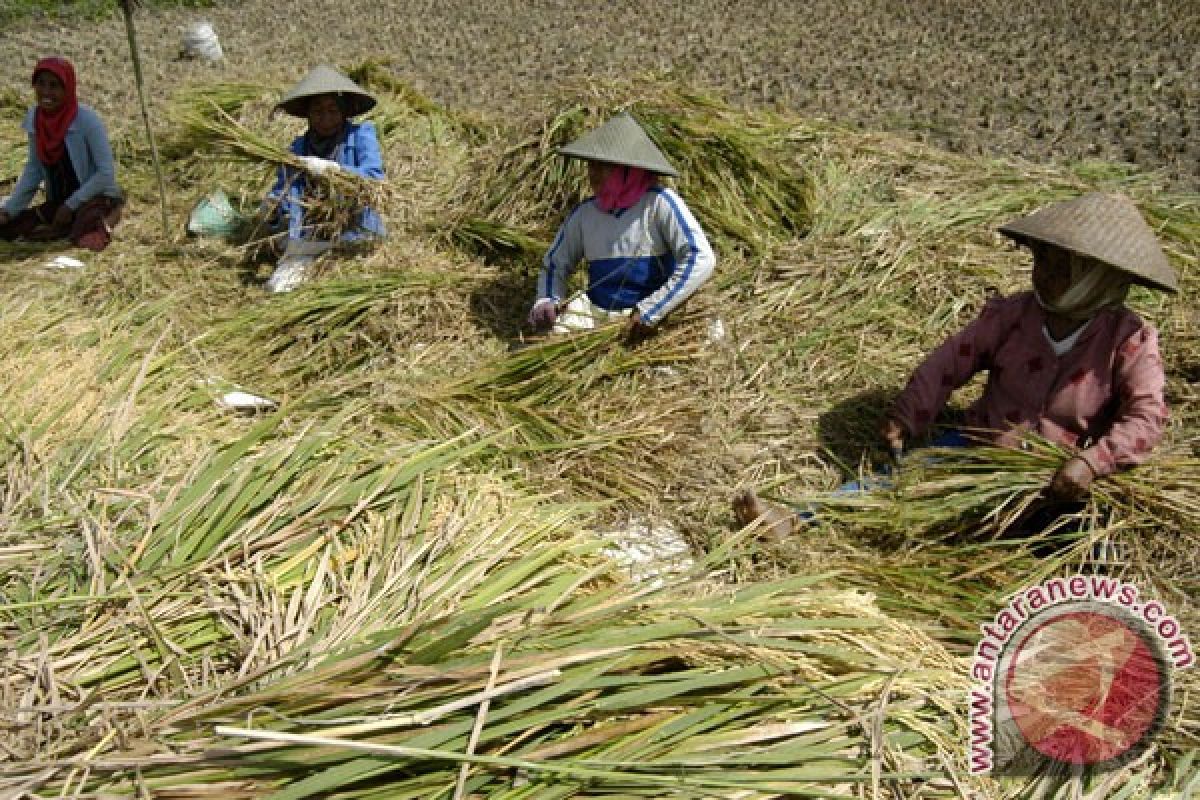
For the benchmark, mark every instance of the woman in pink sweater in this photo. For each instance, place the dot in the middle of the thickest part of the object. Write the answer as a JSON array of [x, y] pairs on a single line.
[[1067, 360]]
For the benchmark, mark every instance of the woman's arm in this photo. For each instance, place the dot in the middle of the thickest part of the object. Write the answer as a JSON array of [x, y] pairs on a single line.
[[368, 158], [1139, 383], [561, 259], [694, 257], [951, 365], [289, 184], [103, 181], [27, 185]]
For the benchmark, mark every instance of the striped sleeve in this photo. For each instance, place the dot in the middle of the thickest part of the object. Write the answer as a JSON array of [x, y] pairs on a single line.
[[694, 257], [562, 258]]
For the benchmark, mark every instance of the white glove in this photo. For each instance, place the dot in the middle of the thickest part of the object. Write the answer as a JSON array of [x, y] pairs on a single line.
[[319, 166], [544, 313]]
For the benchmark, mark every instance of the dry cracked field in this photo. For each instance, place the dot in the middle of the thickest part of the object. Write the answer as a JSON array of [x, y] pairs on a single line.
[[1109, 79]]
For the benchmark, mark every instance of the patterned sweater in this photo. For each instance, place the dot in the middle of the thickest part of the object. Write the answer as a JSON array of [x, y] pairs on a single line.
[[1103, 396]]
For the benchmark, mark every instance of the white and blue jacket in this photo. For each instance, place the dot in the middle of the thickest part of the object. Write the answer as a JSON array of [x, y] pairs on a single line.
[[652, 255], [91, 159]]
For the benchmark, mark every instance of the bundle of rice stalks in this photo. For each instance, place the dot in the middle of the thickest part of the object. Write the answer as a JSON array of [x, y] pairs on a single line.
[[736, 174], [497, 241], [979, 494], [195, 109], [575, 404], [329, 331], [945, 491], [563, 369], [332, 200]]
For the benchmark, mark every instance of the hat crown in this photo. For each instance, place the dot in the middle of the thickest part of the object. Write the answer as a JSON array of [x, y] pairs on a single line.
[[1106, 227], [323, 79], [620, 140]]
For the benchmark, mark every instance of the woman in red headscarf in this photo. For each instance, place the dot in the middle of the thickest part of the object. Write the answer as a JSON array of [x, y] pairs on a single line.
[[71, 160]]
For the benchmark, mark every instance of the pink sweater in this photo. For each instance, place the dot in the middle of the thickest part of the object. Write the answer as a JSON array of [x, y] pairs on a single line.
[[1105, 395]]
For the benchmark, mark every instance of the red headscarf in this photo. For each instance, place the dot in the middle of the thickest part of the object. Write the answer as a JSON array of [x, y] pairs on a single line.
[[50, 129], [623, 187]]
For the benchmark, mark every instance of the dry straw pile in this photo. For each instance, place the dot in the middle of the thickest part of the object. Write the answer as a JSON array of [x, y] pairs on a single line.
[[393, 587]]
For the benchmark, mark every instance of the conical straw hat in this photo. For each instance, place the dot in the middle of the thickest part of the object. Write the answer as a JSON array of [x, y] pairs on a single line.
[[620, 141], [326, 80], [1106, 227]]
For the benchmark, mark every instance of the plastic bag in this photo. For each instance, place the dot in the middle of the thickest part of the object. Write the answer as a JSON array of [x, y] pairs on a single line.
[[200, 41], [214, 215]]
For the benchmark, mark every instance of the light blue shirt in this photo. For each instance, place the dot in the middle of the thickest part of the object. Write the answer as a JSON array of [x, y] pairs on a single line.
[[91, 158], [359, 153]]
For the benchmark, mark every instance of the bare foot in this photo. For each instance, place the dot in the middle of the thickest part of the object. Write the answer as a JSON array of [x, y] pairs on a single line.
[[775, 522]]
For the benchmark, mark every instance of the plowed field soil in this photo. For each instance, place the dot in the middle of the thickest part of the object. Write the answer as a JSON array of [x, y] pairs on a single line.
[[1109, 79]]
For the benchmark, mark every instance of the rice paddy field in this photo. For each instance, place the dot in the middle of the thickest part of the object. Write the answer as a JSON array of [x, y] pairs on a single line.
[[412, 579]]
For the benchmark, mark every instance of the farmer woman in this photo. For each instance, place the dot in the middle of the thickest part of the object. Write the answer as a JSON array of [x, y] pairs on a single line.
[[71, 160], [646, 253], [1067, 360], [333, 143]]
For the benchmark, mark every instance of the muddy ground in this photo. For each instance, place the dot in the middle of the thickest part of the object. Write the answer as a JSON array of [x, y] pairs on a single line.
[[1110, 79]]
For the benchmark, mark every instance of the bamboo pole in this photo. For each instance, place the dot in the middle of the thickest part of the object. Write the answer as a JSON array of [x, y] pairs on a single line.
[[127, 8]]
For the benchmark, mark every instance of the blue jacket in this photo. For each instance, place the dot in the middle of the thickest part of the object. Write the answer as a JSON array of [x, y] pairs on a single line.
[[91, 158], [358, 153]]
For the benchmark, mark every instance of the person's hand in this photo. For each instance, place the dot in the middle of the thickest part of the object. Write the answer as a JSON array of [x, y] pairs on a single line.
[[62, 218], [1073, 480], [637, 330], [319, 166], [543, 314], [892, 434]]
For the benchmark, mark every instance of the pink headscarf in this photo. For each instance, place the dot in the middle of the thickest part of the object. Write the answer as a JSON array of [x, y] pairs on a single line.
[[623, 187]]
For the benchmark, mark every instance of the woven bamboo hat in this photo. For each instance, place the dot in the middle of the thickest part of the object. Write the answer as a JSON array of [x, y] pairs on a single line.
[[620, 141], [326, 80], [1106, 227]]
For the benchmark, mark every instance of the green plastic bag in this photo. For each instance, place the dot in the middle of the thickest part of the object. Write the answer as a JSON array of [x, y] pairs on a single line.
[[214, 215]]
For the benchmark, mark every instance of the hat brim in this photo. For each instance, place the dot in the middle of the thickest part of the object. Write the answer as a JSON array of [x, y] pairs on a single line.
[[1027, 239], [1107, 228], [656, 168], [355, 103]]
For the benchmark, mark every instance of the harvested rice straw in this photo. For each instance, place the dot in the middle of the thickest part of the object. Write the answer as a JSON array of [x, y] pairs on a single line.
[[195, 103], [337, 195], [303, 574], [987, 490], [737, 175]]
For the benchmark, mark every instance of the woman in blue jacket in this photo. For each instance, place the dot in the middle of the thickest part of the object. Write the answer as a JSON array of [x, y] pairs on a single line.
[[71, 160], [333, 142]]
